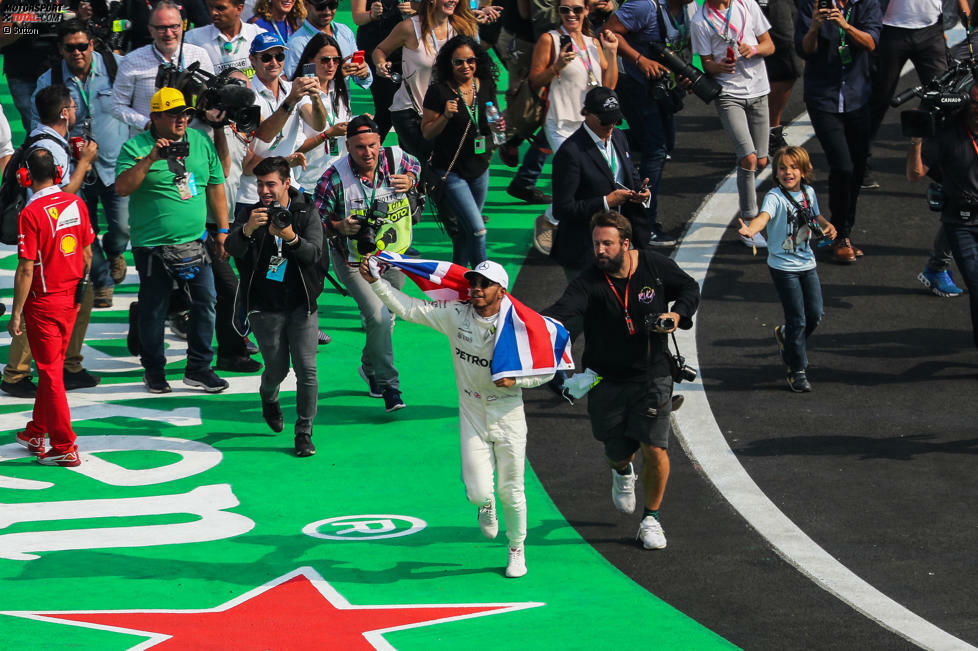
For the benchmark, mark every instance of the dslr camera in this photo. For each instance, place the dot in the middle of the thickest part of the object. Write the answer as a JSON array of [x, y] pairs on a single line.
[[205, 91], [704, 86], [807, 217], [679, 369], [370, 224], [940, 100], [179, 149], [279, 215]]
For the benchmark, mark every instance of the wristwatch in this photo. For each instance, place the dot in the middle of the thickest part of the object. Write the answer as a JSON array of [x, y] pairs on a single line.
[[286, 107]]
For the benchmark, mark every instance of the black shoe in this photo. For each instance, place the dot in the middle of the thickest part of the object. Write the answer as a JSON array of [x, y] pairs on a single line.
[[206, 379], [776, 140], [412, 252], [272, 413], [529, 195], [80, 380], [392, 400], [238, 364], [798, 382], [23, 388], [304, 446], [179, 323], [659, 239], [869, 181], [373, 389], [156, 383], [132, 339], [322, 338], [250, 346], [509, 153]]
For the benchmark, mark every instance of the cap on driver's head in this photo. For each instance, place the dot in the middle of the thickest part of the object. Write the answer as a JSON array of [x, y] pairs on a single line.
[[490, 270], [361, 124]]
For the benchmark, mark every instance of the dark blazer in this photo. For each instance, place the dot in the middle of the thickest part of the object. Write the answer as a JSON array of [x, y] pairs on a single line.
[[581, 179]]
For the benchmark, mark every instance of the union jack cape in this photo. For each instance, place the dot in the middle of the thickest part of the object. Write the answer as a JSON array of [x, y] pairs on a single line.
[[526, 342]]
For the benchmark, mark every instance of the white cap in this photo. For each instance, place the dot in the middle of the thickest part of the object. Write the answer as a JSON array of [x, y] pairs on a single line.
[[491, 270]]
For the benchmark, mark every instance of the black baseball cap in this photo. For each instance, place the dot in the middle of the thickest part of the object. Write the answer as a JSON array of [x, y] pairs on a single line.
[[361, 124], [603, 103]]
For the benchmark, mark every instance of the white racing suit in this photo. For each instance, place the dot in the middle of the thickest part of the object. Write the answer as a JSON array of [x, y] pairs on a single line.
[[492, 426]]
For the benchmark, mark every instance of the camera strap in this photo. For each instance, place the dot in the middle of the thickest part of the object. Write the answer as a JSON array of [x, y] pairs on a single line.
[[792, 217]]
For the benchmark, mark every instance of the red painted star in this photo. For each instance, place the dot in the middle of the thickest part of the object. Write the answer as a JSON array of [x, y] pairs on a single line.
[[299, 610]]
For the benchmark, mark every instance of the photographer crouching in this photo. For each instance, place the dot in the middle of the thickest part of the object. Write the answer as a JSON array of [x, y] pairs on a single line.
[[622, 304], [277, 245], [954, 150]]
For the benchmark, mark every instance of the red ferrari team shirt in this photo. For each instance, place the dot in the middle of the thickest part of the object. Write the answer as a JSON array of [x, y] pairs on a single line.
[[53, 229]]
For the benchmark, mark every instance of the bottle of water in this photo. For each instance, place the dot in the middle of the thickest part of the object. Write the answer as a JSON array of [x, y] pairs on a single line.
[[495, 124]]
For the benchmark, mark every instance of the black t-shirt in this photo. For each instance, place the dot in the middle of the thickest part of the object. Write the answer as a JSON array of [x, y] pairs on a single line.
[[955, 152], [370, 35], [271, 295], [469, 164], [590, 305]]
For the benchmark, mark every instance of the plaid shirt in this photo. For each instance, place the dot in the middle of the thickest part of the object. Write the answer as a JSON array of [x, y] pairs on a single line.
[[329, 198]]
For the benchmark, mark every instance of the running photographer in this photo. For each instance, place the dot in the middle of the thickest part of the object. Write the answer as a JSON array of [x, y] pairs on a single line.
[[367, 198], [277, 246], [622, 304], [954, 149]]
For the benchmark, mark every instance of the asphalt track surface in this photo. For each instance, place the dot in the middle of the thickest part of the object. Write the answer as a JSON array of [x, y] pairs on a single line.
[[876, 465]]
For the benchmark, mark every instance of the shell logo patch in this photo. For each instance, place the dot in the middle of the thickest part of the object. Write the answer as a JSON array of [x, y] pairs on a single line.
[[68, 244]]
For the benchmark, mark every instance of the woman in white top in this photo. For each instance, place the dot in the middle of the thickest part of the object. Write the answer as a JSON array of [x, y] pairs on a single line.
[[420, 38], [323, 148], [572, 69]]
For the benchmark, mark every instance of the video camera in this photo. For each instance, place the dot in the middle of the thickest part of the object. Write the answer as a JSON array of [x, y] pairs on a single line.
[[205, 91], [704, 86], [940, 100]]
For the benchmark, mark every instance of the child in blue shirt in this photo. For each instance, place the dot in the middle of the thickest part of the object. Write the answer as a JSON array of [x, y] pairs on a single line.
[[790, 258]]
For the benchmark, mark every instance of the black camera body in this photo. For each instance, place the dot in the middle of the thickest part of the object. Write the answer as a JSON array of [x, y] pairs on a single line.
[[279, 215], [178, 149], [808, 218], [941, 99], [370, 223], [679, 369], [704, 86], [205, 91]]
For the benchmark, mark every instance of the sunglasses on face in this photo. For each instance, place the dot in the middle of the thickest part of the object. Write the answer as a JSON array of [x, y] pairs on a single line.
[[325, 6], [267, 57], [328, 60], [480, 283], [566, 11], [458, 63], [77, 47]]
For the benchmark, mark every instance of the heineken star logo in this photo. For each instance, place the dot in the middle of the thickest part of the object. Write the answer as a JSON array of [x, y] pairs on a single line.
[[299, 610]]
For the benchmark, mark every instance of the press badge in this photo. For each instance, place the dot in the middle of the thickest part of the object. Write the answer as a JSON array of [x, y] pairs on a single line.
[[480, 144], [276, 268], [332, 146], [845, 54]]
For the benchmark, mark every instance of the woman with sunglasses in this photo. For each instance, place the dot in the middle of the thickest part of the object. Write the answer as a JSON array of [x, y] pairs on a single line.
[[419, 39], [458, 132], [281, 17], [323, 148]]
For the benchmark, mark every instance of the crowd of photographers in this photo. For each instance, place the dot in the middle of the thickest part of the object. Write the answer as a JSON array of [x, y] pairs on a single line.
[[220, 129]]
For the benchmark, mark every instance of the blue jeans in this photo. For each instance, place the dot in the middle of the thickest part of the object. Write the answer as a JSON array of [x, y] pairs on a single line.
[[465, 198], [116, 236], [964, 248], [533, 160], [154, 300], [801, 298], [21, 91], [655, 130]]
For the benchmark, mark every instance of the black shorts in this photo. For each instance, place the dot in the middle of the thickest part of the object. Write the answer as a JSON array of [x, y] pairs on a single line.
[[619, 415], [784, 64]]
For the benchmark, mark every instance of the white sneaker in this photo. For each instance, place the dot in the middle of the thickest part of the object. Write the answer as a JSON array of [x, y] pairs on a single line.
[[623, 490], [487, 519], [516, 567], [651, 534], [758, 241]]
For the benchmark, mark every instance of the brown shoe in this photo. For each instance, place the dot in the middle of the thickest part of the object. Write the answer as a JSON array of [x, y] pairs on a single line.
[[842, 251], [117, 269], [103, 297], [856, 250]]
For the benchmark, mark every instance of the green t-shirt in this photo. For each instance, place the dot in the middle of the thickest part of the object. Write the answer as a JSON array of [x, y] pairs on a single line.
[[157, 214]]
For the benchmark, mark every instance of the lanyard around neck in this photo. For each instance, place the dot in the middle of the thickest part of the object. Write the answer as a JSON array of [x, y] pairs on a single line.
[[159, 55], [629, 324], [727, 26], [473, 111], [584, 56], [610, 159]]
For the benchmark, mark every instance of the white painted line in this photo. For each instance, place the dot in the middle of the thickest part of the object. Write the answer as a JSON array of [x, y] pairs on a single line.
[[704, 443]]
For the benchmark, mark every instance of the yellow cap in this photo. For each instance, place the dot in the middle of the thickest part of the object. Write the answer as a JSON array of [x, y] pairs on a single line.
[[166, 100]]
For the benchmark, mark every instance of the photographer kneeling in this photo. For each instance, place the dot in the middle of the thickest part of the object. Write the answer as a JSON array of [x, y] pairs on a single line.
[[621, 302], [277, 245]]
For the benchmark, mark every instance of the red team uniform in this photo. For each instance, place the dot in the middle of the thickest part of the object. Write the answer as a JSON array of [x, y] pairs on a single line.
[[54, 228]]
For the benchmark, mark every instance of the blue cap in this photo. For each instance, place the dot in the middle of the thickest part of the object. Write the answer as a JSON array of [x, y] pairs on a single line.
[[266, 41]]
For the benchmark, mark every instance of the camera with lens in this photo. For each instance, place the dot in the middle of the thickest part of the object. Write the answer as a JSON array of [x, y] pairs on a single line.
[[681, 371], [179, 149], [678, 368], [661, 322], [370, 223], [703, 86], [279, 215], [808, 218], [941, 99], [205, 91]]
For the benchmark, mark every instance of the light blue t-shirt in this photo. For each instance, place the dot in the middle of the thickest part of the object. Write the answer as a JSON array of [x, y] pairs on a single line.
[[787, 250]]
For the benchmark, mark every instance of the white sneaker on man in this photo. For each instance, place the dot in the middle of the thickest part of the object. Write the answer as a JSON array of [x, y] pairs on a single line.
[[487, 519], [651, 534], [516, 567], [623, 490]]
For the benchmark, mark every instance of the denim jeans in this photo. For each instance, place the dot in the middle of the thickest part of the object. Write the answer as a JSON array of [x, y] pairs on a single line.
[[801, 298], [465, 198], [21, 90], [116, 236], [154, 299], [655, 130], [533, 161], [964, 247], [285, 335]]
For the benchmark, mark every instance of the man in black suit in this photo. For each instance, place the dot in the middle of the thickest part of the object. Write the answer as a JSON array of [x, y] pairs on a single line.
[[595, 173]]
